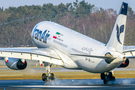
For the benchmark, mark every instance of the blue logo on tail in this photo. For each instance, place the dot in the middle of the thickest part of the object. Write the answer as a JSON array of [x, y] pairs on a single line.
[[119, 31]]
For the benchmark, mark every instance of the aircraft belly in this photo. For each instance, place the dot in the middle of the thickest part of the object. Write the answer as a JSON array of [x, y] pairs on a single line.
[[96, 65]]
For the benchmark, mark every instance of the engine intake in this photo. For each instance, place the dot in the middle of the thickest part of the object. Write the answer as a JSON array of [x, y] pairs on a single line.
[[16, 64]]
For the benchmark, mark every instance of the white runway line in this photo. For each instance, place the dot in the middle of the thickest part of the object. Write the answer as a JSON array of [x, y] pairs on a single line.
[[41, 86]]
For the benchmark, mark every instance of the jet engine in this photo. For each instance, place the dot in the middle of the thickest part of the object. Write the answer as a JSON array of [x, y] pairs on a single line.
[[16, 64], [124, 64]]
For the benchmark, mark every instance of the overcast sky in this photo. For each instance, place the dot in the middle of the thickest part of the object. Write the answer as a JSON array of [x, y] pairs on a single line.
[[105, 4]]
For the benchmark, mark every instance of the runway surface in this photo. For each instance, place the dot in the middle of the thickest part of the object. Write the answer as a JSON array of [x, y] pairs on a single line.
[[67, 84]]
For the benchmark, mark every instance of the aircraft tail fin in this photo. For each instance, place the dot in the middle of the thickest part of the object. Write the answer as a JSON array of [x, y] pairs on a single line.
[[117, 37]]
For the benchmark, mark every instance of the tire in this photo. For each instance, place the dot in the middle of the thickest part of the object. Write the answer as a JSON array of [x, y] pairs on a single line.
[[51, 77], [102, 75], [105, 80], [110, 74], [113, 78], [44, 77]]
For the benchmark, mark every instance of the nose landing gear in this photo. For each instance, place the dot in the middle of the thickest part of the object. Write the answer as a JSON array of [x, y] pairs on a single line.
[[46, 78], [107, 77], [50, 76]]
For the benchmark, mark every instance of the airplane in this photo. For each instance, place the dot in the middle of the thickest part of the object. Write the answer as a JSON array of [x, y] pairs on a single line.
[[62, 46]]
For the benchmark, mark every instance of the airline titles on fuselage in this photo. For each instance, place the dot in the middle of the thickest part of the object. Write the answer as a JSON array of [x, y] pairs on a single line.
[[41, 35], [89, 60], [86, 49]]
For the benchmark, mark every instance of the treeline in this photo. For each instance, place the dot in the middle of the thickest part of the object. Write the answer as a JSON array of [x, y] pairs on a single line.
[[16, 24]]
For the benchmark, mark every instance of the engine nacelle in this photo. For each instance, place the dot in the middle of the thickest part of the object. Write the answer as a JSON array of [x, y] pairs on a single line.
[[124, 64], [16, 64]]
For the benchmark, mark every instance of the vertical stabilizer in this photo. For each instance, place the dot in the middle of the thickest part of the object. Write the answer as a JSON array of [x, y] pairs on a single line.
[[117, 37]]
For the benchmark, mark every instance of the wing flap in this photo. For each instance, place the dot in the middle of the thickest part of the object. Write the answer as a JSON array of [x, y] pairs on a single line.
[[129, 54], [129, 51]]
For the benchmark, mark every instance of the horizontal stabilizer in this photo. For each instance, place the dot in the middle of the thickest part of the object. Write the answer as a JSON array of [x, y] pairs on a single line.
[[130, 57], [107, 58]]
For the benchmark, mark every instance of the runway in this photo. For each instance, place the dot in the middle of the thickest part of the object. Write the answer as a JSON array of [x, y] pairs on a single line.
[[67, 84]]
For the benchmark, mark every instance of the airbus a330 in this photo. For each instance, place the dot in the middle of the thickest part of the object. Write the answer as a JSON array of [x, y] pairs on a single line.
[[62, 46]]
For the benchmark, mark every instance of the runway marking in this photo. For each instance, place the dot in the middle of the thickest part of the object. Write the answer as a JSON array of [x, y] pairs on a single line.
[[41, 86]]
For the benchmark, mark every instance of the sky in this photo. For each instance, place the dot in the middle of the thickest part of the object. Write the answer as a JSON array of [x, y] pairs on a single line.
[[105, 4]]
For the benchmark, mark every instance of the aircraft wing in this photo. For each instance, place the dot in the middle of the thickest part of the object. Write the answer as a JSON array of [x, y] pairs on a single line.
[[129, 51], [43, 54]]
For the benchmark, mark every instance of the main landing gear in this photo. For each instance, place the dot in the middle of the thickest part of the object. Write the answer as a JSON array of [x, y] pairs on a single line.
[[107, 77], [49, 76]]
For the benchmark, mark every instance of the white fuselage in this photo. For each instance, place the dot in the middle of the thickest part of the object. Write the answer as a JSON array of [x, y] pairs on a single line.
[[48, 34]]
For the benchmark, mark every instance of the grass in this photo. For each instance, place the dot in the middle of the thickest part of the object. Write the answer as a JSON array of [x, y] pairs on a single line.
[[8, 74]]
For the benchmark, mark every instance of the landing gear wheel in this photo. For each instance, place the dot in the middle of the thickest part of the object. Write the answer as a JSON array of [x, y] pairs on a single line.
[[107, 77], [105, 80], [110, 74], [102, 75], [51, 76], [112, 78], [48, 76], [44, 77]]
